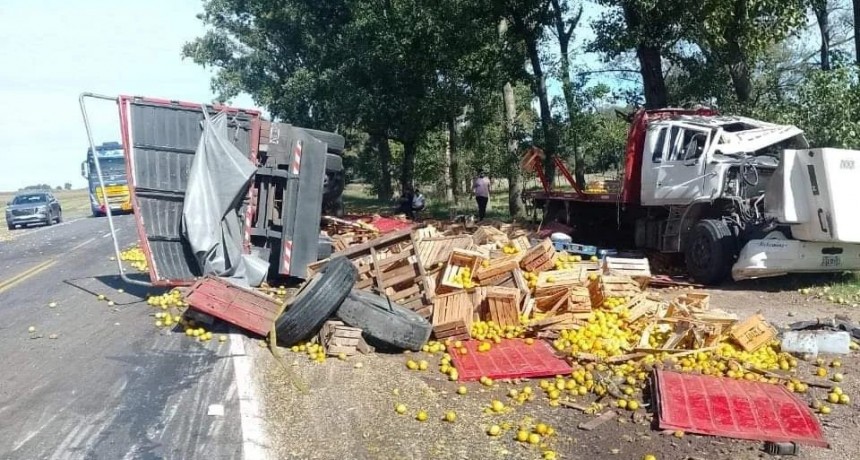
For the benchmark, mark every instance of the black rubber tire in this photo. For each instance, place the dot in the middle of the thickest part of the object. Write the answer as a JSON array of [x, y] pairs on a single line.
[[710, 251], [316, 302], [395, 325], [50, 220], [60, 217], [10, 226]]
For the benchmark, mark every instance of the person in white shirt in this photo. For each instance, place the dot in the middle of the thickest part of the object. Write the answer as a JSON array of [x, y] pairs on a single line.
[[481, 190]]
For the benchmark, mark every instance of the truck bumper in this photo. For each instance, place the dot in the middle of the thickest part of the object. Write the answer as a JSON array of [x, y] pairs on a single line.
[[775, 257]]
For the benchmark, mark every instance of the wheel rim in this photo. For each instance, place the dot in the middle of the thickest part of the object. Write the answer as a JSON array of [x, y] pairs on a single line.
[[700, 253]]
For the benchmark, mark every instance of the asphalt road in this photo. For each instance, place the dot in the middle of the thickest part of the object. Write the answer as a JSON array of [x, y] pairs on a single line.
[[110, 385]]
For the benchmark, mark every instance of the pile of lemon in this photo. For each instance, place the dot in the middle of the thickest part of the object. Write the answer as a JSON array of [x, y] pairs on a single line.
[[135, 257], [490, 330], [172, 299], [532, 279], [611, 303], [464, 278], [315, 351], [605, 335], [433, 347], [510, 249], [566, 261]]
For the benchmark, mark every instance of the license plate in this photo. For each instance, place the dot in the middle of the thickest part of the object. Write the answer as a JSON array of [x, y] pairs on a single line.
[[831, 261]]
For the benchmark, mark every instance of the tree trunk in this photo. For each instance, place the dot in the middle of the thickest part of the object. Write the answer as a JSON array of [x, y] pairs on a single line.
[[515, 182], [564, 33], [740, 73], [450, 154], [651, 68], [407, 169], [857, 31], [823, 18], [384, 150], [543, 100]]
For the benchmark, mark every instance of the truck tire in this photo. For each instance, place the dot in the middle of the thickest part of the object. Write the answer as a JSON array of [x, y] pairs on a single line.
[[384, 321], [316, 302], [710, 251]]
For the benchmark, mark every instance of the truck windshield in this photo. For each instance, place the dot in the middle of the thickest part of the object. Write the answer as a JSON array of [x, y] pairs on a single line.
[[30, 199], [110, 166]]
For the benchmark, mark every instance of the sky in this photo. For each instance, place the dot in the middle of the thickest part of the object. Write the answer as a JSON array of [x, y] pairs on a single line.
[[53, 50]]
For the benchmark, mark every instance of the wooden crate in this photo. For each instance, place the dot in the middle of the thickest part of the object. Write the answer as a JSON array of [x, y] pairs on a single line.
[[539, 257], [753, 333], [452, 316], [555, 278], [503, 305], [486, 234], [491, 269], [605, 287], [694, 300], [336, 338], [637, 269], [436, 250], [521, 243], [459, 262]]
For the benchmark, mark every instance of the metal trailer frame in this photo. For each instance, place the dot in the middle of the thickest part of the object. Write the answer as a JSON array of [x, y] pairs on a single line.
[[124, 104]]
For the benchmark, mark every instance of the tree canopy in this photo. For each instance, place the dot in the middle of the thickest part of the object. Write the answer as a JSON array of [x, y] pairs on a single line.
[[451, 86]]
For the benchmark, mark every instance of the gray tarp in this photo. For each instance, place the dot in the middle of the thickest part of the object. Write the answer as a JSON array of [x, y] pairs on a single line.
[[218, 180]]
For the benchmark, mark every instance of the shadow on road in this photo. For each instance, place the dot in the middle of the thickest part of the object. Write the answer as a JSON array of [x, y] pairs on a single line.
[[110, 286]]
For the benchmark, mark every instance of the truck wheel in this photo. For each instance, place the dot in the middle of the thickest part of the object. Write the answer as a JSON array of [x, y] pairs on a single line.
[[709, 251], [316, 302], [50, 220], [384, 321]]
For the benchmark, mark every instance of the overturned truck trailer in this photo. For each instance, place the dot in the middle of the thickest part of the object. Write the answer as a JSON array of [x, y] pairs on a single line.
[[191, 165]]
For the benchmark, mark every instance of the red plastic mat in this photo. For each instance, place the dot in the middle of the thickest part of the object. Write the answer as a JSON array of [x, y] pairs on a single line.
[[734, 408], [509, 359]]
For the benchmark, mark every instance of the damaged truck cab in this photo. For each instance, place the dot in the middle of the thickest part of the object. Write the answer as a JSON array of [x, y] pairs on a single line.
[[732, 194]]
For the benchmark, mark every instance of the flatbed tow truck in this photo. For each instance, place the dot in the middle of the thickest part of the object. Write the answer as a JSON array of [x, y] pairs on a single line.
[[733, 195]]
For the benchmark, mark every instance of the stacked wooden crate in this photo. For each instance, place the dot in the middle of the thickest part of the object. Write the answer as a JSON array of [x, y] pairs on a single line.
[[452, 315]]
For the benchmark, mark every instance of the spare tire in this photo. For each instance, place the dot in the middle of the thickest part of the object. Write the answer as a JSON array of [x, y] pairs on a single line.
[[316, 302], [384, 320]]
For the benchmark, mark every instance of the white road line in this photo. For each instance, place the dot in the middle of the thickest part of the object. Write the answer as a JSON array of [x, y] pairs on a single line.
[[83, 244], [254, 443]]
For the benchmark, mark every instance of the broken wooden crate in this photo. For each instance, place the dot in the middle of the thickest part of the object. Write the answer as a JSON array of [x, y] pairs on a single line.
[[753, 333], [503, 305], [336, 338], [390, 265], [608, 287], [559, 291], [434, 251], [242, 307], [487, 234], [637, 269], [539, 257], [460, 269], [452, 316]]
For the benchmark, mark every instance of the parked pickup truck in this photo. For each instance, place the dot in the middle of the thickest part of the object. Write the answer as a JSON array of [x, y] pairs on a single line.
[[733, 195]]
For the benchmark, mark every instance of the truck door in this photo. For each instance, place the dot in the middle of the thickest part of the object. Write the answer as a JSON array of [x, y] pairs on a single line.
[[680, 175], [654, 153]]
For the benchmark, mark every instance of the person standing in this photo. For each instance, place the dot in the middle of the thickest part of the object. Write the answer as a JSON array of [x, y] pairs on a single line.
[[481, 189]]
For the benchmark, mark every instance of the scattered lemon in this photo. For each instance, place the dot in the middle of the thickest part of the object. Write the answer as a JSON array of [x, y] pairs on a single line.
[[837, 377], [836, 363], [549, 455], [341, 356], [462, 390], [102, 297], [821, 372], [541, 429], [159, 323], [833, 398], [622, 403], [422, 416], [450, 416], [111, 303], [358, 365], [534, 438], [844, 399], [423, 365], [400, 409], [189, 332], [494, 430], [679, 434], [633, 405], [31, 329], [412, 365], [522, 435], [223, 338], [649, 457], [824, 410], [497, 406]]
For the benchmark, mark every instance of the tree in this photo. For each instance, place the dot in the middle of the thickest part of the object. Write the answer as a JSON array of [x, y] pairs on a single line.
[[67, 186], [649, 28], [856, 4], [822, 17]]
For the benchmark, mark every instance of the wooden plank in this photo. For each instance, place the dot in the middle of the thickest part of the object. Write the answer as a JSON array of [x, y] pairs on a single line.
[[753, 333], [592, 424]]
